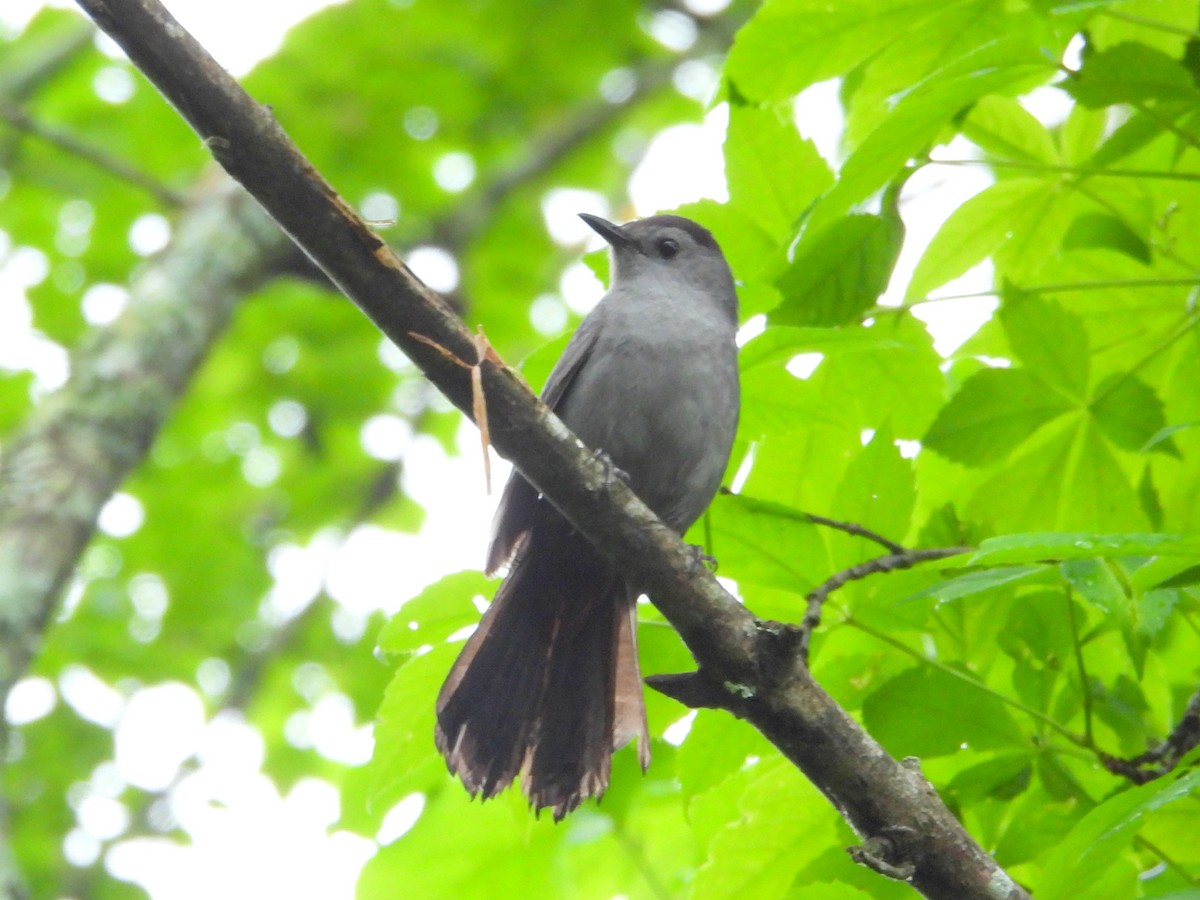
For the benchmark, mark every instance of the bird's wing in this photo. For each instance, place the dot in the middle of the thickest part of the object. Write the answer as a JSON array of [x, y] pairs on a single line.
[[519, 502]]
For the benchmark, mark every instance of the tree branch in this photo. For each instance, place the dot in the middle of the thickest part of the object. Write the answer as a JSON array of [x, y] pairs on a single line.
[[900, 559], [1158, 761], [774, 691], [856, 530], [106, 162], [57, 51], [63, 465]]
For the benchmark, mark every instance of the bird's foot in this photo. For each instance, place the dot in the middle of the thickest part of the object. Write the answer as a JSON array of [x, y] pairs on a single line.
[[612, 474], [700, 558]]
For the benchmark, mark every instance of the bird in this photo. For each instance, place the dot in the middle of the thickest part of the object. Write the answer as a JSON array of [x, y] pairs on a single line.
[[548, 686]]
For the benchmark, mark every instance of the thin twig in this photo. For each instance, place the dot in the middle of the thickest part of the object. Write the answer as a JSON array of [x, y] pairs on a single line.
[[1160, 760], [101, 159], [1084, 171], [1064, 287], [904, 559], [858, 531], [25, 82], [1084, 680], [1151, 23]]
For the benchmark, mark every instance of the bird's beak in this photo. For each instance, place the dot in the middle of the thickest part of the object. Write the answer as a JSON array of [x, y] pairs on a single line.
[[607, 230]]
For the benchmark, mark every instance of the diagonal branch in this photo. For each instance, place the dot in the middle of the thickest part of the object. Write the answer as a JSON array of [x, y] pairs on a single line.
[[858, 531], [893, 562], [101, 159], [1158, 761], [56, 51], [59, 469], [876, 794]]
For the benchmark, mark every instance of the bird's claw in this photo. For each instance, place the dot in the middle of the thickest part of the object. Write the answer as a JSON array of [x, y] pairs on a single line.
[[700, 558], [612, 473]]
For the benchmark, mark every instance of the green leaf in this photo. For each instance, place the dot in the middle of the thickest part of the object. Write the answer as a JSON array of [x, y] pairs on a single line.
[[1130, 413], [404, 728], [767, 543], [840, 273], [1130, 136], [1098, 492], [490, 846], [794, 43], [1012, 549], [1096, 842], [436, 613], [784, 342], [1131, 73], [1103, 231], [716, 747], [1051, 342], [925, 711], [1081, 134], [1003, 777], [994, 411], [1098, 584], [878, 492], [920, 116], [977, 582], [774, 174], [1006, 129], [973, 231], [759, 853]]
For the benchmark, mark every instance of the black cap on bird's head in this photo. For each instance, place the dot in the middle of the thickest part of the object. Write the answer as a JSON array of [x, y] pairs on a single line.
[[633, 234], [668, 249]]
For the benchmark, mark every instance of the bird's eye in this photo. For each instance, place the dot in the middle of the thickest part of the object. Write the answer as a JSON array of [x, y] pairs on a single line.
[[668, 247]]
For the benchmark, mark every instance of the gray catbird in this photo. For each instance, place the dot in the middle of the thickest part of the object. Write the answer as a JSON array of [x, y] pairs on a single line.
[[549, 682]]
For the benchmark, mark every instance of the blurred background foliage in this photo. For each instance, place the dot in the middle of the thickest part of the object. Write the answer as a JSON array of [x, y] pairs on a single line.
[[1060, 437]]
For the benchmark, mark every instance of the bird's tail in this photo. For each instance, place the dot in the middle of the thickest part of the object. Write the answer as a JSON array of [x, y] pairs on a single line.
[[548, 684]]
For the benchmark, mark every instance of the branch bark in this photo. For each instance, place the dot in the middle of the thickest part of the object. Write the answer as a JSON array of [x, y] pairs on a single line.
[[63, 465], [761, 674]]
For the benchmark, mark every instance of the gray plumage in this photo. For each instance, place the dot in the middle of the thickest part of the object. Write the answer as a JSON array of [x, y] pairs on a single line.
[[549, 683]]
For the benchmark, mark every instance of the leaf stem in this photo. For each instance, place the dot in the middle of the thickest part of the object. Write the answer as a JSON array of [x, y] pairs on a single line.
[[949, 670], [1084, 680], [1151, 23], [1066, 286], [1085, 171], [1188, 323]]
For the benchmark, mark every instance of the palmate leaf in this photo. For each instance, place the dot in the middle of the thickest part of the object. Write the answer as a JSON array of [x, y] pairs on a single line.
[[840, 273], [1051, 342], [1131, 73], [767, 543], [928, 712], [773, 173], [795, 43], [1006, 129], [759, 853], [995, 411], [977, 228], [1130, 414]]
